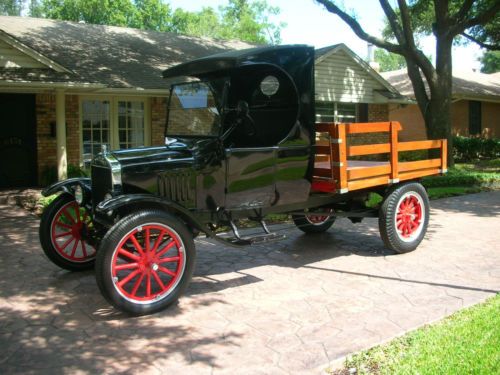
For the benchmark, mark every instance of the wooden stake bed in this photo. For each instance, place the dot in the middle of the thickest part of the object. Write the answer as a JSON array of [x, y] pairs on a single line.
[[335, 173]]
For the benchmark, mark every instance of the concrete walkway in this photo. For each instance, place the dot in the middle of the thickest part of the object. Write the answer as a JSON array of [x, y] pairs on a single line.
[[286, 308]]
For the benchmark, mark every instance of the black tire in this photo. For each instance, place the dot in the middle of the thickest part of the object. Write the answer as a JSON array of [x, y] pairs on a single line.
[[313, 224], [133, 296], [412, 203], [66, 251]]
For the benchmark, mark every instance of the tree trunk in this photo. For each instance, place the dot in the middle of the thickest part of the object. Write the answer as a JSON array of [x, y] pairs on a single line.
[[438, 114]]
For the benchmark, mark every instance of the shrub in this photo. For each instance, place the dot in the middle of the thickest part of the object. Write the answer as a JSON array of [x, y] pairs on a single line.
[[49, 174], [466, 149]]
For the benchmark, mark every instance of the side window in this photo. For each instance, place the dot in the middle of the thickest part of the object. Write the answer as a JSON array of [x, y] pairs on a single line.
[[272, 105]]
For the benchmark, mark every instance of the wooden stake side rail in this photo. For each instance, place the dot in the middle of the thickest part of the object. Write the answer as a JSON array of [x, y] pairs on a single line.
[[334, 173]]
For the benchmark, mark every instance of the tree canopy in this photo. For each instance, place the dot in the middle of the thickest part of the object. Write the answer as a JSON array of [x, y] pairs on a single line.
[[490, 62], [11, 7], [247, 20], [449, 21], [388, 61]]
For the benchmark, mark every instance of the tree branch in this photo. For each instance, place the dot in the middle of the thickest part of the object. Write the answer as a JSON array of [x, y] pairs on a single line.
[[491, 47], [420, 59], [482, 18], [462, 12], [393, 20], [358, 30]]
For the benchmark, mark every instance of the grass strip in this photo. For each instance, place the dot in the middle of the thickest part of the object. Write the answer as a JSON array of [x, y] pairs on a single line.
[[467, 342]]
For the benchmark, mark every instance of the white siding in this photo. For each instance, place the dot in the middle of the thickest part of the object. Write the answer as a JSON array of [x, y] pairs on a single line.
[[339, 78], [11, 57]]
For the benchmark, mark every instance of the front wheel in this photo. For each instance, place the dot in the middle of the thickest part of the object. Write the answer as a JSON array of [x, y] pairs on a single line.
[[145, 262], [404, 216], [64, 234], [314, 223]]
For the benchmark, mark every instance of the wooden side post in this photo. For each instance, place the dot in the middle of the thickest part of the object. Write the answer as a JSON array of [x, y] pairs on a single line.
[[342, 149], [444, 155], [334, 153], [394, 128]]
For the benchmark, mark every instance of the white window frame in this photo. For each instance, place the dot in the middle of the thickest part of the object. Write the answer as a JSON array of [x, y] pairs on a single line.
[[335, 110], [113, 121]]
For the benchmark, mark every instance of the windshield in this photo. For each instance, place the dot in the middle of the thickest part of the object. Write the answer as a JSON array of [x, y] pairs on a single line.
[[193, 111]]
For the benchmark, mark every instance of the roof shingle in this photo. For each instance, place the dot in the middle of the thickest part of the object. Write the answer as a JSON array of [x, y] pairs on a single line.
[[117, 57]]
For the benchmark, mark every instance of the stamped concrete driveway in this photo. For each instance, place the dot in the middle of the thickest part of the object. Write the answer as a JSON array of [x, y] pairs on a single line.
[[288, 307]]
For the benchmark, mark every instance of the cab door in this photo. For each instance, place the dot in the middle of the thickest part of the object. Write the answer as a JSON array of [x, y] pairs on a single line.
[[250, 177]]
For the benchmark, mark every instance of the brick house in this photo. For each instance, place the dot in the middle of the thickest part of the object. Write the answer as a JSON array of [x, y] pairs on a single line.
[[475, 108], [67, 88]]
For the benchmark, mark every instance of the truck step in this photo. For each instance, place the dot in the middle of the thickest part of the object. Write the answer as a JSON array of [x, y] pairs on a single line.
[[257, 239], [265, 237]]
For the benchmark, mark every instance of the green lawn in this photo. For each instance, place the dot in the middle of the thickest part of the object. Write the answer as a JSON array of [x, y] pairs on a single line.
[[468, 342]]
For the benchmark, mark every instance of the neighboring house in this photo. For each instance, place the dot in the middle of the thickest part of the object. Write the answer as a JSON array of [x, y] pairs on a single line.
[[67, 88], [349, 90], [475, 108]]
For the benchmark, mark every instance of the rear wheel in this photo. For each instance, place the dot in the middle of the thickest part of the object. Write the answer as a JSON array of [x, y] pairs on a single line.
[[145, 262], [404, 216], [314, 223], [64, 230]]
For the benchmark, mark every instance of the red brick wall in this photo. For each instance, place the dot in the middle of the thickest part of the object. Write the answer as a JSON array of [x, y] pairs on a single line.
[[158, 119], [73, 130], [378, 112], [46, 144], [411, 120]]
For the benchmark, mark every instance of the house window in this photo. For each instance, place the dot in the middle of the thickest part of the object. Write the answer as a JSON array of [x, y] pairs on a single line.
[[96, 116], [130, 124], [336, 112], [119, 123]]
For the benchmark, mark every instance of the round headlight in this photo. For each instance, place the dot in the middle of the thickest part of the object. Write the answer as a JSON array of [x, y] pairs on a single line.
[[108, 196], [78, 194]]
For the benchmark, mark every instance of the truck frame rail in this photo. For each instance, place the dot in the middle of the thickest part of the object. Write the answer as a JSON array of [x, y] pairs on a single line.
[[335, 173]]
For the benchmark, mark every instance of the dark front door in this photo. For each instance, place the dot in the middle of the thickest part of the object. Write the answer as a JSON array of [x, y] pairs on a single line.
[[17, 140], [474, 117]]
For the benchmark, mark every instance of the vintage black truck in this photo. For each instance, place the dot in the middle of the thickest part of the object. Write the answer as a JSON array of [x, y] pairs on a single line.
[[240, 142]]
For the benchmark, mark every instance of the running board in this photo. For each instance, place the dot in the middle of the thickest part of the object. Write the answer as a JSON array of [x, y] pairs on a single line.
[[257, 239], [266, 237]]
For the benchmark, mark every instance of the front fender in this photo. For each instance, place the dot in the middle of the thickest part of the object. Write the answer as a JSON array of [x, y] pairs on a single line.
[[66, 186], [107, 207]]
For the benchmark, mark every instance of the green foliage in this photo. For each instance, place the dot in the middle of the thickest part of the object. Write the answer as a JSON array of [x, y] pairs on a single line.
[[479, 174], [11, 7], [100, 12], [152, 15], [490, 62], [413, 155], [451, 191], [389, 61], [43, 202], [239, 19], [49, 174], [467, 149], [423, 19], [465, 343]]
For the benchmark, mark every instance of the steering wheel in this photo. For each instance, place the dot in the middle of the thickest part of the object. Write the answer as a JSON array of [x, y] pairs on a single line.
[[243, 119]]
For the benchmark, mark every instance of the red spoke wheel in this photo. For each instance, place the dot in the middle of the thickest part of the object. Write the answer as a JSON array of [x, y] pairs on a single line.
[[145, 262], [63, 229], [314, 223], [404, 216]]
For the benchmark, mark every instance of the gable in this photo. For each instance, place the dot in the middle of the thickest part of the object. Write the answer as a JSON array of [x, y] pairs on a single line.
[[339, 78], [11, 57]]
